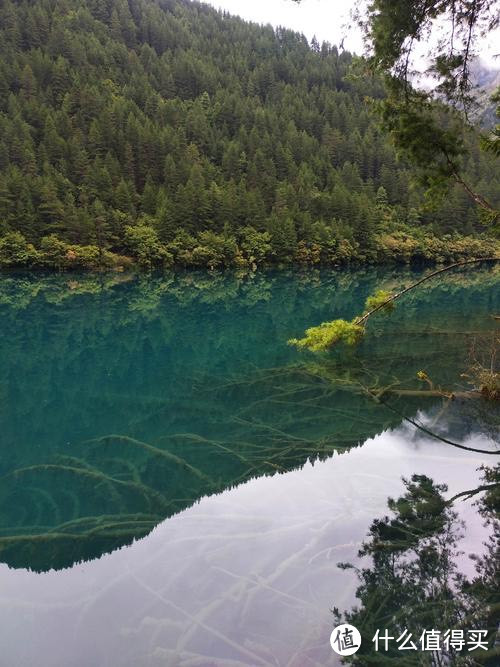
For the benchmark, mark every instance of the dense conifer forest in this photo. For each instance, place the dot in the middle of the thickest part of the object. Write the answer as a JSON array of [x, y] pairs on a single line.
[[169, 132]]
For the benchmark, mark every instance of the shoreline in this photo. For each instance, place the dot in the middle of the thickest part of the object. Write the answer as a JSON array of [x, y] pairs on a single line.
[[397, 249]]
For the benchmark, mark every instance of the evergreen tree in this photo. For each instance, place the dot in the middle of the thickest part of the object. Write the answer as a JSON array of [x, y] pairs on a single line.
[[115, 112]]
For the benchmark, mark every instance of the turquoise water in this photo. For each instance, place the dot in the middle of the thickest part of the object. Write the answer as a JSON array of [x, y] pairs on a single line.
[[162, 447]]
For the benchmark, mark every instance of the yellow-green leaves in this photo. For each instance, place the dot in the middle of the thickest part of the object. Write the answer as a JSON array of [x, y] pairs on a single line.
[[327, 334], [376, 300]]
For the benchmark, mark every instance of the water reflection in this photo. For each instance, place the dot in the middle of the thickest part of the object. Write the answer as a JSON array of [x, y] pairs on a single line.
[[126, 400], [247, 577]]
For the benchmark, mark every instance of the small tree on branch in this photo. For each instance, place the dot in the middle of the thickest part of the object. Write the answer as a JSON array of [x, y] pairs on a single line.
[[328, 334]]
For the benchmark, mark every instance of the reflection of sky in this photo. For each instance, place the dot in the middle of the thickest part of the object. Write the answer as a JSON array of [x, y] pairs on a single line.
[[243, 578]]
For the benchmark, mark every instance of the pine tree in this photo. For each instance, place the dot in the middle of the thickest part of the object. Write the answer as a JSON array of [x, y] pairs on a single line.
[[119, 111]]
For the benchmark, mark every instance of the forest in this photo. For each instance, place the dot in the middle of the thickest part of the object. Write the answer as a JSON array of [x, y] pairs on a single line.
[[168, 133]]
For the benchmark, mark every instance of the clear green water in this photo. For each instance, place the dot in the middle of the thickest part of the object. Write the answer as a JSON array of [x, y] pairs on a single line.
[[163, 452]]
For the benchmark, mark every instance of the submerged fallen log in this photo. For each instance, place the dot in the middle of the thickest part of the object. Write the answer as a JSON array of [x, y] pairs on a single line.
[[433, 393]]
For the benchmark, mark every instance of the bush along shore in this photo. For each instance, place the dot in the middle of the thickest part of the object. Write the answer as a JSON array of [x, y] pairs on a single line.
[[249, 248]]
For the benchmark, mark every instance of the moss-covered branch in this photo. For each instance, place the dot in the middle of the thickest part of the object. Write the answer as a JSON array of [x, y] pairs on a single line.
[[328, 334]]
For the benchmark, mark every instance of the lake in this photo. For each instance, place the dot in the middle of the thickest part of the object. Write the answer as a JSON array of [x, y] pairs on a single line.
[[178, 485]]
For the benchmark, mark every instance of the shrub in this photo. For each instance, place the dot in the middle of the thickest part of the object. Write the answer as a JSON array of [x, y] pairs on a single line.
[[181, 248], [54, 252], [144, 244], [397, 246], [308, 253], [346, 251], [16, 251], [255, 246], [57, 254], [283, 237], [219, 249]]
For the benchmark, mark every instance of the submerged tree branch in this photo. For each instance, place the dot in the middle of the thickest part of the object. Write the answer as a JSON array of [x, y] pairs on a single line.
[[449, 442], [435, 435]]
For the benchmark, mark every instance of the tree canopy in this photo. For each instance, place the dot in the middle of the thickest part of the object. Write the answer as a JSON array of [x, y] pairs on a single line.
[[427, 131], [175, 133]]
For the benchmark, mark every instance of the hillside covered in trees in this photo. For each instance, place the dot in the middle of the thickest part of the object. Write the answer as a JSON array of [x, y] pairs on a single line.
[[172, 133]]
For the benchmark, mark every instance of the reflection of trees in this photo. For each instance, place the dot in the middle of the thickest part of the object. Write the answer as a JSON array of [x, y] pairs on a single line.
[[18, 291], [192, 372], [110, 490], [113, 489], [63, 507], [413, 582]]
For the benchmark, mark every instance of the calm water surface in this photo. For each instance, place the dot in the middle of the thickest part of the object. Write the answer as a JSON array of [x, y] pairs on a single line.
[[178, 485]]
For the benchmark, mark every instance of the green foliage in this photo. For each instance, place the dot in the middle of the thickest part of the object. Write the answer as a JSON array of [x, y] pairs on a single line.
[[404, 245], [219, 249], [255, 246], [283, 238], [250, 248], [412, 581], [491, 142], [143, 243], [393, 30], [429, 133], [420, 134], [207, 249], [166, 116], [54, 252], [328, 334], [376, 300], [15, 251]]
